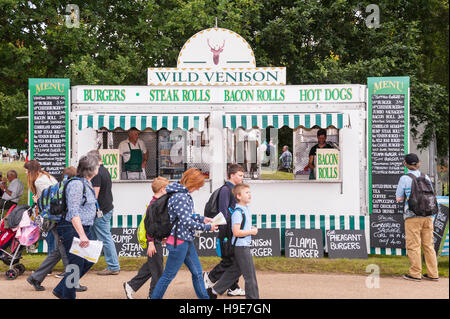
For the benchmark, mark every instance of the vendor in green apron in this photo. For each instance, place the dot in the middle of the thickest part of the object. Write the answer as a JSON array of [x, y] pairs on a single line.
[[134, 156], [322, 143]]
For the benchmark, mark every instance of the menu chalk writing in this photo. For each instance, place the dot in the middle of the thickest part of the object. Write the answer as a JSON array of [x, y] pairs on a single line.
[[346, 244], [127, 245], [440, 225], [266, 243], [303, 243], [388, 144], [205, 243], [387, 231], [49, 139]]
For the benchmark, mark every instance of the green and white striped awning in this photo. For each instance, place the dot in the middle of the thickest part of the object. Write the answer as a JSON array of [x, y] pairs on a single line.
[[292, 120], [142, 121]]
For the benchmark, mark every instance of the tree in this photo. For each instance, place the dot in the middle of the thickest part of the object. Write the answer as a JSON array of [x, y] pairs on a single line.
[[317, 41]]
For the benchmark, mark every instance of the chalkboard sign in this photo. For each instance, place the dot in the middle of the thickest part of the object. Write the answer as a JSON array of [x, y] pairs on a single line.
[[49, 134], [303, 243], [346, 244], [266, 243], [440, 225], [387, 231], [206, 243], [388, 141], [126, 242], [127, 245]]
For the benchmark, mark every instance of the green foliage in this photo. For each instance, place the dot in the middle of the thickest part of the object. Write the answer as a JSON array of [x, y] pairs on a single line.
[[319, 42]]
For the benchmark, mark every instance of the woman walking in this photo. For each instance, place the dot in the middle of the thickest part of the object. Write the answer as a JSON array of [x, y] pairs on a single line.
[[81, 212], [38, 180], [181, 205]]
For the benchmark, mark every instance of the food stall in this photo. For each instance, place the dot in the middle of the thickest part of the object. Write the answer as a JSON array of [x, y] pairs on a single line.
[[216, 108]]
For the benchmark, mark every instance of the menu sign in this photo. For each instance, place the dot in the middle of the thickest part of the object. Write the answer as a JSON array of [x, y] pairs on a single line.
[[440, 228], [387, 231], [49, 124], [388, 141]]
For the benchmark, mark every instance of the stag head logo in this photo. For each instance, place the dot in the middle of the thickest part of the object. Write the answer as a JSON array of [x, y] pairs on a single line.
[[216, 51]]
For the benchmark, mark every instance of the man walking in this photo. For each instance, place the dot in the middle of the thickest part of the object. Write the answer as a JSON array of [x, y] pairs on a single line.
[[102, 224], [418, 229]]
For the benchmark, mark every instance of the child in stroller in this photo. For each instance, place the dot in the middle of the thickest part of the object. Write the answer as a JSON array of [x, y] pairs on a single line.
[[17, 231]]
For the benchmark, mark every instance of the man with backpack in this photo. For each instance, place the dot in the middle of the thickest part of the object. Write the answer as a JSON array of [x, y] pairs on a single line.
[[225, 200], [416, 191]]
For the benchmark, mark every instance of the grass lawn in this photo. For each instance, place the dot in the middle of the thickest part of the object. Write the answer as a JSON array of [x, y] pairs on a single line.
[[18, 166], [389, 265]]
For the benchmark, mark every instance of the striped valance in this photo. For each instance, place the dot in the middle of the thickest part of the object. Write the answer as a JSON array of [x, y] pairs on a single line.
[[142, 121], [292, 120]]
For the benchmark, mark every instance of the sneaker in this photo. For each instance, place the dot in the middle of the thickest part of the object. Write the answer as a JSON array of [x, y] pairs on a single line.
[[107, 272], [81, 288], [128, 290], [430, 278], [60, 275], [208, 282], [211, 294], [408, 277], [37, 285], [235, 292]]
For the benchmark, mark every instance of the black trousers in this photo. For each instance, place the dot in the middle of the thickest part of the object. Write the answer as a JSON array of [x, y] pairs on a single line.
[[152, 268], [225, 263]]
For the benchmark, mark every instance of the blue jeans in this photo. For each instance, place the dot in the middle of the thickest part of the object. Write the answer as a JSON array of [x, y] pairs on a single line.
[[184, 253], [101, 230], [67, 232]]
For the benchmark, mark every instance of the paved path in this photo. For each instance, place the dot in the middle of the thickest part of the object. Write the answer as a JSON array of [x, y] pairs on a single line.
[[271, 286]]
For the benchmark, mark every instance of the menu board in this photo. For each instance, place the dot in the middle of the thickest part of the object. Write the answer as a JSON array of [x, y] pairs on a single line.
[[388, 144], [349, 244], [388, 129], [440, 227], [49, 134], [387, 231], [303, 243]]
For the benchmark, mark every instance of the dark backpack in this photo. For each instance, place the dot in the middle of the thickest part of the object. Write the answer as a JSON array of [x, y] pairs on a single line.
[[157, 219], [228, 246], [212, 206], [422, 200]]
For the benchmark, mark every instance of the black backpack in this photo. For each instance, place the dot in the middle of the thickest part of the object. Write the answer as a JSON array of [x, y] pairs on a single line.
[[157, 219], [422, 200], [212, 206], [228, 246]]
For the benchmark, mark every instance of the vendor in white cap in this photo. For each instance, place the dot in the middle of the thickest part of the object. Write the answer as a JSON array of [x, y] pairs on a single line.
[[134, 156]]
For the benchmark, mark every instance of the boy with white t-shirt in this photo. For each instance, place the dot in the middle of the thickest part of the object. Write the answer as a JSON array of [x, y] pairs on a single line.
[[242, 237]]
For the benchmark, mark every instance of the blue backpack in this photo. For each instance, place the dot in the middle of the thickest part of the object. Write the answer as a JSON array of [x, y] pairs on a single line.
[[52, 204]]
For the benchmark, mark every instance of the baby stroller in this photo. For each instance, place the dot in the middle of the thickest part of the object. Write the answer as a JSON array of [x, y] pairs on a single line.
[[17, 231]]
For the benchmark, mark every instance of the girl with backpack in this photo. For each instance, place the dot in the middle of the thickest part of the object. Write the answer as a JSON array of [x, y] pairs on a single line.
[[38, 180], [181, 206]]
